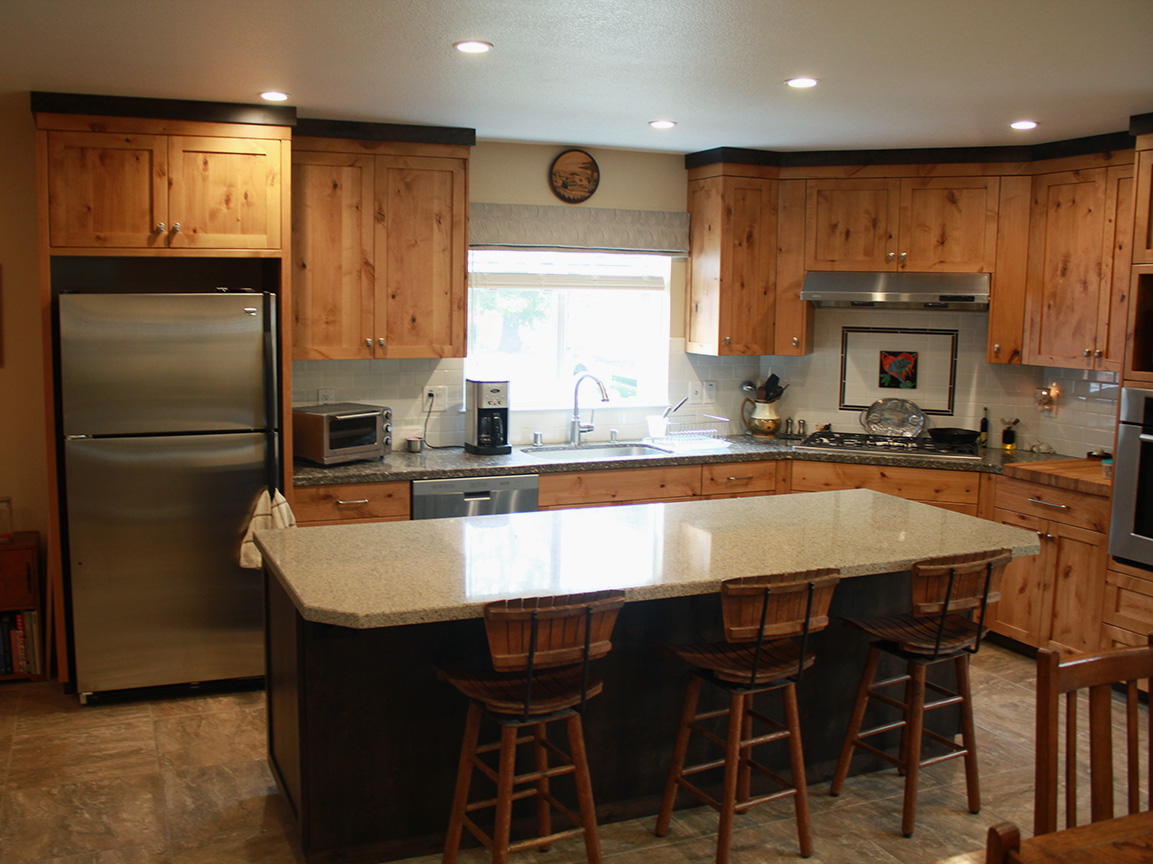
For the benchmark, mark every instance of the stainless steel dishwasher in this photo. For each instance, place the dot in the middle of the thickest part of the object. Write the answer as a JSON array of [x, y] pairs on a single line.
[[474, 496]]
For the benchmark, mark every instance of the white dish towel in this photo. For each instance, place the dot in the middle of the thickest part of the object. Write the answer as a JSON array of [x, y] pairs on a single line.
[[271, 512]]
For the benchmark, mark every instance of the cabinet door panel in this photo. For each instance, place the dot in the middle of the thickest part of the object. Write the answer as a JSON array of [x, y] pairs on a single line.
[[851, 224], [706, 236], [949, 224], [1078, 573], [1025, 609], [106, 190], [1116, 256], [224, 193], [421, 248], [748, 271], [332, 256], [1067, 224], [918, 484], [1143, 216]]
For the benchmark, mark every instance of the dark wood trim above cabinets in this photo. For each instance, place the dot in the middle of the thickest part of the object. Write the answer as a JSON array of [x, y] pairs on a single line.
[[162, 109], [310, 127]]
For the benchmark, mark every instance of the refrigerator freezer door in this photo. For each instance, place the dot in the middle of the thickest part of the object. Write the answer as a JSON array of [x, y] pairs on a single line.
[[155, 527], [154, 363]]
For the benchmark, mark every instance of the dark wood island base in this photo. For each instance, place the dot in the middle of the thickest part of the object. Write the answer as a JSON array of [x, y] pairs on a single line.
[[364, 739]]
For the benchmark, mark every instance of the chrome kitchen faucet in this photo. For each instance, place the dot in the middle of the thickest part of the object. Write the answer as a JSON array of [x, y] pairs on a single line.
[[575, 427]]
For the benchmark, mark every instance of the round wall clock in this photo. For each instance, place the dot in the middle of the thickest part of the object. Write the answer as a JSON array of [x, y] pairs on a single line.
[[574, 176]]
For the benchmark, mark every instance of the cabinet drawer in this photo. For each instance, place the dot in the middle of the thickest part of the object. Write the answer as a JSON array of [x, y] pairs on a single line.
[[1056, 504], [737, 477], [1128, 602], [919, 484], [626, 485], [354, 501]]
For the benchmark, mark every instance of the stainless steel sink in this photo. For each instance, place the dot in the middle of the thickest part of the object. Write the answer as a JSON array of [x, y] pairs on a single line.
[[594, 452]]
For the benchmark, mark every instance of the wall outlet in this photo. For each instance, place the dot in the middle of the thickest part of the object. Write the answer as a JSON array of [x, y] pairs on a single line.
[[710, 392], [326, 395], [696, 392], [438, 395]]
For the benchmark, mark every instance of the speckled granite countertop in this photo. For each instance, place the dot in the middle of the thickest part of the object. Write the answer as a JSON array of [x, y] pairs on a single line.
[[454, 462], [387, 574]]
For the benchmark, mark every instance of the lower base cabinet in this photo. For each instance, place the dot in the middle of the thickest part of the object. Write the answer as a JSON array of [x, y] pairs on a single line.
[[1127, 618], [1057, 596], [953, 490]]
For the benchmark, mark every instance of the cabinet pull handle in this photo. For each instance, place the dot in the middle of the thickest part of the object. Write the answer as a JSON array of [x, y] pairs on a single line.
[[341, 503], [1050, 537], [380, 341], [1049, 504], [1098, 353], [175, 227], [728, 340], [736, 479], [160, 228], [904, 256], [796, 341], [368, 343], [1086, 353], [996, 348], [890, 256]]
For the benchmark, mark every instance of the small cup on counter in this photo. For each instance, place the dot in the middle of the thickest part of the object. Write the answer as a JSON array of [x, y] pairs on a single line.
[[414, 444]]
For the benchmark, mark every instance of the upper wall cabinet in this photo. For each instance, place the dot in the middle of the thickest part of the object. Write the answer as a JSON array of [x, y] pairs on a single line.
[[380, 245], [1143, 215], [133, 190], [939, 224], [1078, 274], [732, 276]]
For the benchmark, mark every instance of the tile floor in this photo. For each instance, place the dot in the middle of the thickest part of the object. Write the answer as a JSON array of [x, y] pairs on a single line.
[[184, 781]]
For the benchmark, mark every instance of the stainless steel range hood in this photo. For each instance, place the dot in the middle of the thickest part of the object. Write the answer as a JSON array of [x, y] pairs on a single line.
[[898, 290]]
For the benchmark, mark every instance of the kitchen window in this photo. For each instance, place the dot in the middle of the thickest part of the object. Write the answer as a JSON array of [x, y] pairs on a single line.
[[538, 318]]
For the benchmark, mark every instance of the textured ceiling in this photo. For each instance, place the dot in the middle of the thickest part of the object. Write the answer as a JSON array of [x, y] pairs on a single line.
[[894, 73]]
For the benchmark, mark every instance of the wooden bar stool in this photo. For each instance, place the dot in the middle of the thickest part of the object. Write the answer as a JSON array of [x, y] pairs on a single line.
[[761, 615], [540, 649], [946, 592]]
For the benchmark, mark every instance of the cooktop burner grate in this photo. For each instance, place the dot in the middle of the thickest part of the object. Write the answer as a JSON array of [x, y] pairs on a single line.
[[861, 442]]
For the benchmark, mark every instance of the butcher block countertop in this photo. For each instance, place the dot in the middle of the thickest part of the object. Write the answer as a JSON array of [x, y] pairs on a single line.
[[1078, 475], [385, 574]]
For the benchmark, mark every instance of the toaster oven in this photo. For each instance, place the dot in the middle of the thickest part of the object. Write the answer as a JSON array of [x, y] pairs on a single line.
[[341, 432]]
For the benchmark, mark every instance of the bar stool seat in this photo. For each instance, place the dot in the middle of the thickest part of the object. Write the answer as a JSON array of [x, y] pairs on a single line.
[[761, 616], [540, 650], [947, 591]]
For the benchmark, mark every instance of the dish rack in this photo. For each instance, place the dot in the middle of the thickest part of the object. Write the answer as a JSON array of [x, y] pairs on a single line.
[[685, 432]]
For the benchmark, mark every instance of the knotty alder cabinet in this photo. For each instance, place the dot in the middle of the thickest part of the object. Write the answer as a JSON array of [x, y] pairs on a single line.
[[214, 186], [936, 224], [1055, 596], [1080, 250], [380, 244], [953, 490], [351, 503], [732, 266]]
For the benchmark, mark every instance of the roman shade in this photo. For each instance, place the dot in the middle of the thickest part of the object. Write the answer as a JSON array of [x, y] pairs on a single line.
[[533, 226]]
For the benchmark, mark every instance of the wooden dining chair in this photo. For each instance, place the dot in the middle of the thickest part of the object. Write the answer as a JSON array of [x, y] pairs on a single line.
[[1100, 672], [767, 621], [540, 649], [947, 593]]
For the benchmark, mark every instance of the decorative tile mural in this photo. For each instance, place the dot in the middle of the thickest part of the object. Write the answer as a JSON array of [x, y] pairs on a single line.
[[921, 363]]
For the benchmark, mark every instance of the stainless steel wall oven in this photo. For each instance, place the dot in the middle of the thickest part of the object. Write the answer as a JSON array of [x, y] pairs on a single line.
[[1131, 527]]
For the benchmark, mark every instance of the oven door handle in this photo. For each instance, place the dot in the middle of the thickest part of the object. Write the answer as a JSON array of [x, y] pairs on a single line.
[[355, 416], [1147, 438]]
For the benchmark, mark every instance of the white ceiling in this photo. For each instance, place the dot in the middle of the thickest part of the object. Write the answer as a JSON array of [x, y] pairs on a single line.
[[894, 73]]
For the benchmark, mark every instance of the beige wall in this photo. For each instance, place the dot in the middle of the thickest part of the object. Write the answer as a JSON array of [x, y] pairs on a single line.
[[22, 429]]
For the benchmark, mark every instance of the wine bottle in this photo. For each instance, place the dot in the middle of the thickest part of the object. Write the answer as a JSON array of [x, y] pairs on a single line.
[[983, 437]]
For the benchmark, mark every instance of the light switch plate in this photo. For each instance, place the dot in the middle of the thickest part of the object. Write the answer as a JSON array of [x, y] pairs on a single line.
[[710, 392]]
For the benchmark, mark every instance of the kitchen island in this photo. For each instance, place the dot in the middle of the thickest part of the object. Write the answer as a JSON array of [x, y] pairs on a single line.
[[364, 739]]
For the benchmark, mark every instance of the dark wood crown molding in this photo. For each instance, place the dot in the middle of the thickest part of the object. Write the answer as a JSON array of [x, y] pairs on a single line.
[[162, 109], [309, 127]]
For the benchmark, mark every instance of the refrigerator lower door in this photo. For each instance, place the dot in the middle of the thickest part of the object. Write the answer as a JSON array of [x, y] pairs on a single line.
[[134, 364], [154, 532]]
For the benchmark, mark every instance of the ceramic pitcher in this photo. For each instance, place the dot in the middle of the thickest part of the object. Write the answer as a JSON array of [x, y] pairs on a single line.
[[762, 420]]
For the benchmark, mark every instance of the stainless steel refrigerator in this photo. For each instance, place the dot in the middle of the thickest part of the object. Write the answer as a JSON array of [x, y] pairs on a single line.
[[168, 412]]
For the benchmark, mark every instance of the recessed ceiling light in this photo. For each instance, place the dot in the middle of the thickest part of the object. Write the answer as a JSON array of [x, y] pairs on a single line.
[[473, 46], [802, 82], [662, 124], [274, 96], [1024, 124]]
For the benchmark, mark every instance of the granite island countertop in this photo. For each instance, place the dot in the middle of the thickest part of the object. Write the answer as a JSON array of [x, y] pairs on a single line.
[[454, 462], [387, 574]]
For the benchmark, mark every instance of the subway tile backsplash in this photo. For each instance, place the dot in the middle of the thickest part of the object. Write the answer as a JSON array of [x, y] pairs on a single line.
[[1084, 421]]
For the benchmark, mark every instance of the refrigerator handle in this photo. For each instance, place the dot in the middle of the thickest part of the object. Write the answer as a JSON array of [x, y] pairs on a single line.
[[271, 416]]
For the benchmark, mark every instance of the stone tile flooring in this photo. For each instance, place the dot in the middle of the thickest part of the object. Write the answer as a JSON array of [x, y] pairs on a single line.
[[184, 781]]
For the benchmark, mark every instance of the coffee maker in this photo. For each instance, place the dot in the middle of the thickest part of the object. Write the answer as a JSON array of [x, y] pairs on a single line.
[[486, 417]]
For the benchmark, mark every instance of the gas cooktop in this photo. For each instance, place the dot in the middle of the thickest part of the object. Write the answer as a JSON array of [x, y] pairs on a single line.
[[861, 442]]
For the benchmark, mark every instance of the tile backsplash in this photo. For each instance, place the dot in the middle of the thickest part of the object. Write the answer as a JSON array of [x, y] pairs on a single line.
[[1084, 421]]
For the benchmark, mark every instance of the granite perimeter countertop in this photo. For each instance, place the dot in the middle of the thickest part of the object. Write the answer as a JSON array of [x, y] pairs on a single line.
[[454, 462], [388, 574]]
